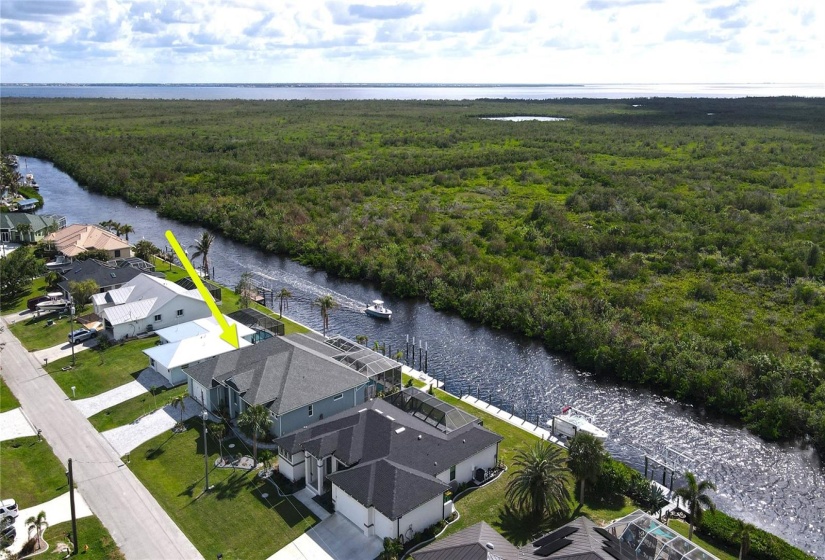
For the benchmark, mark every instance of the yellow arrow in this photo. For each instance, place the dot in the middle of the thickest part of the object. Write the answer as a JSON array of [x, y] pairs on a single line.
[[230, 332]]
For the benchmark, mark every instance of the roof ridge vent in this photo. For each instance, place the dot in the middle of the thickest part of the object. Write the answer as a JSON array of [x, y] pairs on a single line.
[[490, 546]]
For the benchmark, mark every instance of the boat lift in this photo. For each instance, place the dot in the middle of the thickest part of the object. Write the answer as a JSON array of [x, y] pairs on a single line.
[[666, 464]]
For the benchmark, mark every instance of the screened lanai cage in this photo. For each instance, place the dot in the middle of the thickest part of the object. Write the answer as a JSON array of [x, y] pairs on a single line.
[[648, 539], [430, 409], [385, 372]]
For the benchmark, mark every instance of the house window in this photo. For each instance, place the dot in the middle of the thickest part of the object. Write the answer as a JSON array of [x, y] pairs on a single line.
[[180, 312], [158, 318], [338, 397], [117, 253], [309, 410], [452, 473]]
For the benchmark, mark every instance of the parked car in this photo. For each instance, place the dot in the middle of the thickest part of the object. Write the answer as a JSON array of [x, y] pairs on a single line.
[[79, 335], [8, 509], [7, 535]]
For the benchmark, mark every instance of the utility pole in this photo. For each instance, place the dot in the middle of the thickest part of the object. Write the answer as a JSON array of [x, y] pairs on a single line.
[[70, 476], [71, 328]]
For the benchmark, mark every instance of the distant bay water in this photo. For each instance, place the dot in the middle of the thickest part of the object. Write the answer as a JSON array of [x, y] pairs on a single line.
[[406, 91]]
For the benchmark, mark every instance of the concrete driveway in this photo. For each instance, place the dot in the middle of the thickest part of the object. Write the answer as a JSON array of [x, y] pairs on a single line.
[[64, 349], [15, 424], [57, 511], [334, 538]]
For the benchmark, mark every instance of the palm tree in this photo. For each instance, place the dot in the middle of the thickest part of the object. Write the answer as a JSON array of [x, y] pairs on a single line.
[[283, 295], [218, 429], [38, 523], [23, 228], [179, 401], [743, 531], [109, 225], [695, 499], [244, 288], [586, 456], [361, 339], [258, 420], [124, 229], [326, 303], [538, 484], [52, 278], [202, 247]]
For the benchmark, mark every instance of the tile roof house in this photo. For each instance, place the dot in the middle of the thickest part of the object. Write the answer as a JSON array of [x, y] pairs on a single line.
[[388, 471], [76, 238], [145, 304], [295, 381]]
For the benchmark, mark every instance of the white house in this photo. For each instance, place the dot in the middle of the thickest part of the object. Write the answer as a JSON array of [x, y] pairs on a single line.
[[387, 469], [146, 304], [190, 343]]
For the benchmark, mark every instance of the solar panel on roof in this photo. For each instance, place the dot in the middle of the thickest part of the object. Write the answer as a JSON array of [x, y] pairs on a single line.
[[552, 547], [555, 535]]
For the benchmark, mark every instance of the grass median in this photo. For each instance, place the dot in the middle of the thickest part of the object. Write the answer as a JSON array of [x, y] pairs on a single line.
[[232, 519], [97, 371]]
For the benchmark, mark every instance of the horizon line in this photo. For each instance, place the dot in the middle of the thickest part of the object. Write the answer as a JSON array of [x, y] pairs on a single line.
[[404, 84]]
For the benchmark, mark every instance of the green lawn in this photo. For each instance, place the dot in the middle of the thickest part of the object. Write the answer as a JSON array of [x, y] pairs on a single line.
[[233, 519], [230, 301], [29, 472], [682, 528], [37, 288], [90, 531], [129, 411], [486, 504], [97, 371], [35, 333], [7, 399]]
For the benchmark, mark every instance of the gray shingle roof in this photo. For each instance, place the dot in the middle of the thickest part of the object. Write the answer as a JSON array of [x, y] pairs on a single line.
[[279, 373], [380, 431], [470, 544], [585, 543], [104, 275]]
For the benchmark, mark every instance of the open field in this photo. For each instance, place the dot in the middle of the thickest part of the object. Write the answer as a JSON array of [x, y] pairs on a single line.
[[233, 519], [671, 243]]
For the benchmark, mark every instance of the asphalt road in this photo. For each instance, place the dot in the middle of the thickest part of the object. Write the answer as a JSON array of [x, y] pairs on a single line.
[[135, 520]]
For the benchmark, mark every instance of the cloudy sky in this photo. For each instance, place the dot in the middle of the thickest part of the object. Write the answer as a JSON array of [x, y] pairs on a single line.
[[444, 41]]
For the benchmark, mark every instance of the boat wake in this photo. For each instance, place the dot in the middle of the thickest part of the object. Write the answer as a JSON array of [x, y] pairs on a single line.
[[308, 289]]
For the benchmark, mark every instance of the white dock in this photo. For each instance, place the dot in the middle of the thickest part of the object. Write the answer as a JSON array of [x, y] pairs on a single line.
[[512, 419], [421, 376]]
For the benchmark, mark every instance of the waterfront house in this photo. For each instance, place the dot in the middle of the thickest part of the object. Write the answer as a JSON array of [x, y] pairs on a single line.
[[182, 345], [27, 228], [108, 276], [145, 304], [76, 238], [388, 470], [293, 376]]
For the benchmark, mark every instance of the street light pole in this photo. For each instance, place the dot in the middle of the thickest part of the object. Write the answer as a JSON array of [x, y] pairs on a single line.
[[204, 416], [71, 328]]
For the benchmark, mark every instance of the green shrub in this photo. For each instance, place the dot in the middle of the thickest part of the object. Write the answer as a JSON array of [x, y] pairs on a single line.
[[721, 529]]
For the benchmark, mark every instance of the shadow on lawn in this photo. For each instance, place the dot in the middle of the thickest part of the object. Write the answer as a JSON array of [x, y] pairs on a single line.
[[156, 452], [520, 528]]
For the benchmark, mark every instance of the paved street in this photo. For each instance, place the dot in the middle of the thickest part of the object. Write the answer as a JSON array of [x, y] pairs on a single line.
[[134, 518]]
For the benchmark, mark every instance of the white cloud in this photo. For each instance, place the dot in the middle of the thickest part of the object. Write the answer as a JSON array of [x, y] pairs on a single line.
[[530, 41]]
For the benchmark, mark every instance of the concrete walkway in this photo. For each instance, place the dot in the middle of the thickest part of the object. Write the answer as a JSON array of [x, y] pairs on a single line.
[[147, 378], [139, 526], [57, 511], [14, 424], [125, 438], [305, 497], [334, 538]]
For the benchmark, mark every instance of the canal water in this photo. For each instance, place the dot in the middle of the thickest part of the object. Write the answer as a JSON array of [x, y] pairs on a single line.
[[778, 488]]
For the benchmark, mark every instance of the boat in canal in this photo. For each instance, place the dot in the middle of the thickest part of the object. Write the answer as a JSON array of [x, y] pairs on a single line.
[[378, 310], [572, 421]]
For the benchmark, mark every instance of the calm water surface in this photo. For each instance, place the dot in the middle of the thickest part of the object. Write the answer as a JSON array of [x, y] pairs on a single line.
[[778, 488], [424, 92]]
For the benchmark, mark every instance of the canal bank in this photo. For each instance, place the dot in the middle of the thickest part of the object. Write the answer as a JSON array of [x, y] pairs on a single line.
[[778, 488]]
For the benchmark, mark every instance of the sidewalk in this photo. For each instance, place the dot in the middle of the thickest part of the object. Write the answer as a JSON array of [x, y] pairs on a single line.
[[137, 523]]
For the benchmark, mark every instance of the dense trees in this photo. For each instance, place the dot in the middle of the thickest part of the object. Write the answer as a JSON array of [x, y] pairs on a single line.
[[16, 271], [660, 245]]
